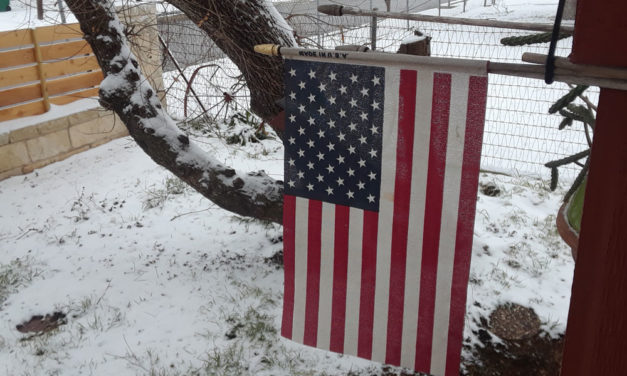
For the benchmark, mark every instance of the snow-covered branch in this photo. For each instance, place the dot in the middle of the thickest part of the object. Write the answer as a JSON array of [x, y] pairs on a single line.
[[127, 92]]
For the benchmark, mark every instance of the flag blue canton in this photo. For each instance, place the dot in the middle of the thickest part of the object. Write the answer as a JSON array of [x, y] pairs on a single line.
[[333, 132]]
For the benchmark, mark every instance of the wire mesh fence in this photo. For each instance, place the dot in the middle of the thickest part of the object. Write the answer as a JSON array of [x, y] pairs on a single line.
[[520, 135]]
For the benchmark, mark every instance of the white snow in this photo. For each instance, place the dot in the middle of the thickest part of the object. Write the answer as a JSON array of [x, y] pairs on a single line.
[[153, 276]]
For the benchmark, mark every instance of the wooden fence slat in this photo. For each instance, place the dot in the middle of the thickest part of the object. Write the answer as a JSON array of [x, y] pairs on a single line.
[[68, 98], [11, 77], [17, 57], [61, 68], [58, 32], [64, 50], [28, 109], [65, 84], [20, 94], [15, 38]]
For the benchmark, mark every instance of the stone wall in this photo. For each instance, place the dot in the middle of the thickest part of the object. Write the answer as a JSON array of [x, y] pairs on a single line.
[[26, 149], [34, 146]]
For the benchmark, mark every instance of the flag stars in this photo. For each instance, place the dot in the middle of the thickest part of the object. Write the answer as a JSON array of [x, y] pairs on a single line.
[[331, 169], [301, 85], [312, 74], [329, 191], [291, 140], [331, 123], [350, 172], [374, 129], [301, 108], [331, 146], [301, 174], [320, 155], [351, 149], [291, 162], [301, 131], [375, 105], [322, 87], [321, 133], [376, 80], [291, 183], [352, 126], [361, 162], [322, 111], [311, 143], [354, 78], [340, 159], [362, 139], [332, 100], [332, 76], [292, 118], [341, 136], [292, 72], [301, 153], [370, 198], [320, 178], [310, 187], [340, 181], [292, 96], [373, 153], [353, 102], [312, 98], [350, 194], [363, 116], [311, 121], [342, 114], [310, 165], [361, 185], [342, 89], [364, 92], [372, 175]]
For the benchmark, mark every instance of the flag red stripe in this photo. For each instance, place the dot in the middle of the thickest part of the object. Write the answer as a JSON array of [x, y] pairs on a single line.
[[340, 271], [289, 218], [402, 191], [478, 87], [433, 213], [312, 298], [368, 278]]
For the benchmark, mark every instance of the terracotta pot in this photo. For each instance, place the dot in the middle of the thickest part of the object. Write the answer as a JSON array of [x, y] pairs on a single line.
[[570, 236]]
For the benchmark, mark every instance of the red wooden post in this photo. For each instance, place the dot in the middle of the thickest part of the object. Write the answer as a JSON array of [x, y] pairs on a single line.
[[596, 334]]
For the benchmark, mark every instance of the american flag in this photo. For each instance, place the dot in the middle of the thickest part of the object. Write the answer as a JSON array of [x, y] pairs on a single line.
[[381, 173]]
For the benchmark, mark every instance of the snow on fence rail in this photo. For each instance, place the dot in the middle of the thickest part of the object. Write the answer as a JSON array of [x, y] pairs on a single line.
[[520, 135]]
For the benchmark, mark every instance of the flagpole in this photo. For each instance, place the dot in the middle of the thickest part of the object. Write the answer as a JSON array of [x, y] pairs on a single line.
[[570, 73]]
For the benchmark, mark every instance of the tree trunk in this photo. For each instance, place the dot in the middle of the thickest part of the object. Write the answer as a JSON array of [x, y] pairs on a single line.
[[127, 92], [236, 26]]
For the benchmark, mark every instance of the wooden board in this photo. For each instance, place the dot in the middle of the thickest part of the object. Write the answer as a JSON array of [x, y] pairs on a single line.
[[29, 109], [58, 32], [20, 94], [64, 67], [80, 81], [17, 57], [15, 38], [64, 50], [12, 77], [68, 98]]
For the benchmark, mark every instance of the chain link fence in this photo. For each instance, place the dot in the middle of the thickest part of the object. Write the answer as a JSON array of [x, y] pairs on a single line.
[[520, 135]]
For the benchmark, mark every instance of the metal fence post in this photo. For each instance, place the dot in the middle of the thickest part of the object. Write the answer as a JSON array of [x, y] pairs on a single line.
[[373, 32]]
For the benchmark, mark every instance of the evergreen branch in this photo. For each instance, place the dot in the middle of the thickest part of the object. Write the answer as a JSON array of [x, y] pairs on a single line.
[[567, 160], [578, 181], [567, 99], [582, 112], [566, 121], [554, 178], [531, 39]]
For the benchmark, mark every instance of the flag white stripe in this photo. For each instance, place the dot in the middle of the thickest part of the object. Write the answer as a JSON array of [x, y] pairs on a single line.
[[326, 275], [448, 230], [353, 280], [386, 215], [300, 268], [420, 163]]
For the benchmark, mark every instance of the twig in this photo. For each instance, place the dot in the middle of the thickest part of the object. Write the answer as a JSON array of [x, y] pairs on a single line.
[[192, 212]]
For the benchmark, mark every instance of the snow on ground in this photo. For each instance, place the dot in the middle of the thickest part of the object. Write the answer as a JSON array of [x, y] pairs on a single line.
[[156, 280]]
